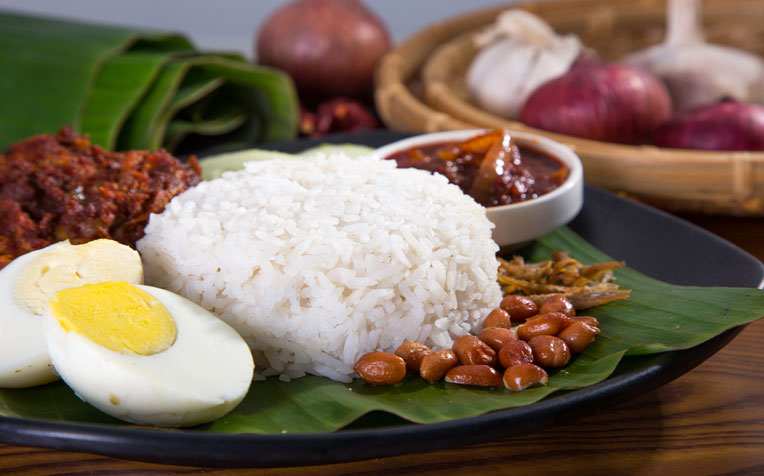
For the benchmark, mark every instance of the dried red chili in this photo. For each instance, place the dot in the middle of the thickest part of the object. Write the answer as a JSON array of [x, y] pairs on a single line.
[[337, 115]]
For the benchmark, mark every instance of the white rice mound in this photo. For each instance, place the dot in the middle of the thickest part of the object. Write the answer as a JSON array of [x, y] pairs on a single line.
[[318, 261]]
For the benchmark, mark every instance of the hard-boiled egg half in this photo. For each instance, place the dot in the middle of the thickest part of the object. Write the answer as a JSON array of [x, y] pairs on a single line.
[[146, 355], [27, 283]]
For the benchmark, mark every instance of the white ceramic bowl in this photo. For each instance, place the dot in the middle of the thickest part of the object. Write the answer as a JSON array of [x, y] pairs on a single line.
[[518, 223]]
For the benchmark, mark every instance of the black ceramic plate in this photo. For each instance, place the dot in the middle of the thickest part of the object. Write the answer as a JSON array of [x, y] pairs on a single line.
[[651, 241]]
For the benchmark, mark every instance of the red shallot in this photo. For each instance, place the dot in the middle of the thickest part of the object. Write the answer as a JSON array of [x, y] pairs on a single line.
[[329, 47], [727, 125], [605, 102]]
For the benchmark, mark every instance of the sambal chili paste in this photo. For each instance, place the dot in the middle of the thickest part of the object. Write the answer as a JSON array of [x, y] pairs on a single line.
[[489, 167], [55, 187]]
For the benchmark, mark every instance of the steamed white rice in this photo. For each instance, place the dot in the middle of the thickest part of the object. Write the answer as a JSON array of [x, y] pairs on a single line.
[[318, 261]]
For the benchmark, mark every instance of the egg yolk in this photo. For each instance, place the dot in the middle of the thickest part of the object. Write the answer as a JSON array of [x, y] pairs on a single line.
[[117, 315], [68, 265]]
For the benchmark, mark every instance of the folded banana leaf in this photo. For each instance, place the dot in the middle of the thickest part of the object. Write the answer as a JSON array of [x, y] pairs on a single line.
[[131, 89]]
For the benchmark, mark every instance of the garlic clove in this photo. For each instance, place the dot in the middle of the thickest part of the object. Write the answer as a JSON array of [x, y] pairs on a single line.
[[518, 53], [495, 78]]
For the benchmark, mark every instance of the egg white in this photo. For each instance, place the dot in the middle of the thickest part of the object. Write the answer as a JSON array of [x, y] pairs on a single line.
[[24, 360], [204, 374]]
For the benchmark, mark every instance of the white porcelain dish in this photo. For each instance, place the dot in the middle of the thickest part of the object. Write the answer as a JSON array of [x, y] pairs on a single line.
[[521, 222]]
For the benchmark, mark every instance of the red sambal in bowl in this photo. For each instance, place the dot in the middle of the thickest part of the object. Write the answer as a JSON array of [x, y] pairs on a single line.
[[489, 167]]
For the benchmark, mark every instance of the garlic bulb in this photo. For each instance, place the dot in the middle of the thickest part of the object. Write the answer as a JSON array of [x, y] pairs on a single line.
[[695, 72], [517, 53]]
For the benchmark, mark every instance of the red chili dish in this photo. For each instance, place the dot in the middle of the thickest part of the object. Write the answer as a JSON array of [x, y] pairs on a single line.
[[489, 167]]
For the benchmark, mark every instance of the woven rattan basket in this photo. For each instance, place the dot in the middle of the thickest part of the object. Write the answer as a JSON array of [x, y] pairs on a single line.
[[420, 88]]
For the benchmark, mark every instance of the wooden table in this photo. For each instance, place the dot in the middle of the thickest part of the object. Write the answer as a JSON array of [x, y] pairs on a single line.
[[710, 421]]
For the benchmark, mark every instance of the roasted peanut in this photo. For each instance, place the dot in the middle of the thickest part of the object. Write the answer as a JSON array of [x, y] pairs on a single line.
[[515, 352], [521, 376], [592, 321], [472, 351], [549, 351], [478, 375], [519, 307], [437, 363], [498, 318], [496, 337], [557, 303], [381, 368], [412, 353], [578, 336], [549, 324]]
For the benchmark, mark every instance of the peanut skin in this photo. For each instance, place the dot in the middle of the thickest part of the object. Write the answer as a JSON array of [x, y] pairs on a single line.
[[591, 320], [477, 375], [521, 376], [549, 351], [557, 303], [381, 368], [498, 318], [472, 351], [412, 353], [437, 363], [514, 353], [519, 307], [578, 336], [549, 324], [496, 337]]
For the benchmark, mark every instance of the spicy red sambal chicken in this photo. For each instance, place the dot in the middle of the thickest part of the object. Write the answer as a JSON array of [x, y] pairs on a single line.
[[55, 187]]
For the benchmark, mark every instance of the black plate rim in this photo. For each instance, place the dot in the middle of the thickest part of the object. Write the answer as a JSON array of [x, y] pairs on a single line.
[[254, 450], [189, 448]]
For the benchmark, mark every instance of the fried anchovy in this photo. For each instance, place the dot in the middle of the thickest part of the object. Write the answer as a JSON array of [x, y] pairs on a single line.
[[584, 285]]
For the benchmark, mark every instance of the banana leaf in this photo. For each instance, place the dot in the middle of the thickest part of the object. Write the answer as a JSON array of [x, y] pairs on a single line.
[[658, 317], [214, 165], [134, 89]]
